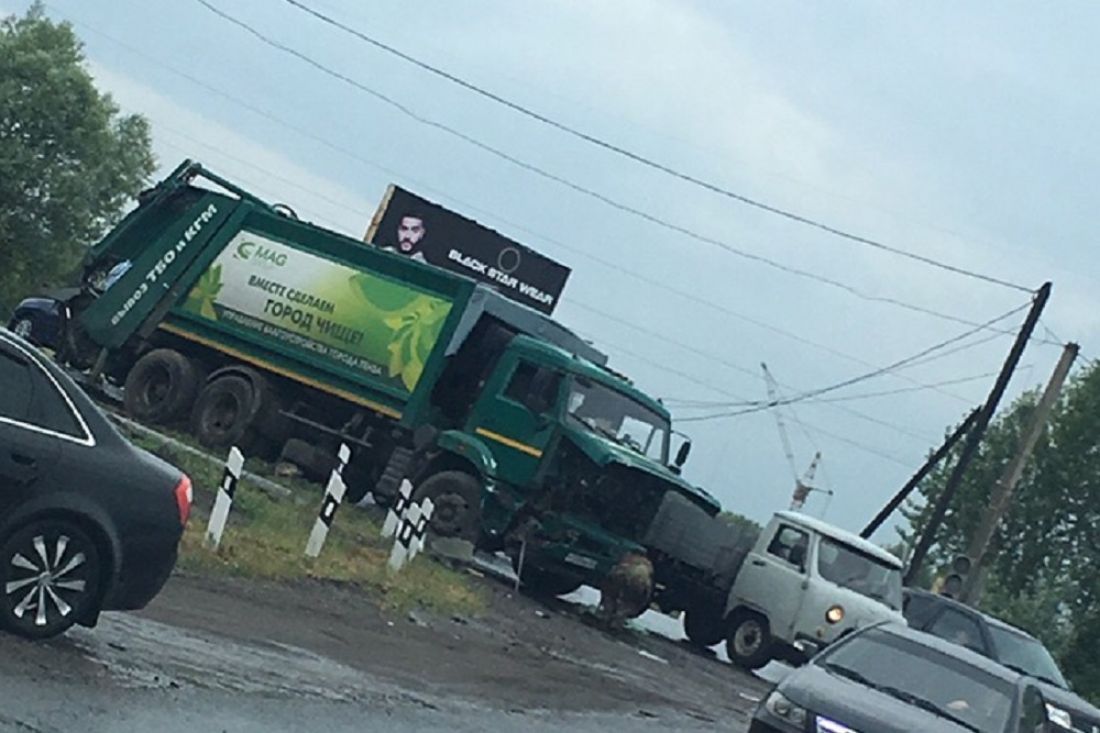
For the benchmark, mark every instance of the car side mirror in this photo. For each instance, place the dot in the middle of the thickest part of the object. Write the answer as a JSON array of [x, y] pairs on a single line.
[[682, 454]]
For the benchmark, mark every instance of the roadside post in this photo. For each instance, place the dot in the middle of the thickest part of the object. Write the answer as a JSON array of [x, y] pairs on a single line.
[[397, 510], [223, 501], [334, 494], [400, 553], [421, 532]]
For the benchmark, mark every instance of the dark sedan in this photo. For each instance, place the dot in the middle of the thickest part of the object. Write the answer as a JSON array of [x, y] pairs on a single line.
[[891, 679], [88, 522], [1012, 647]]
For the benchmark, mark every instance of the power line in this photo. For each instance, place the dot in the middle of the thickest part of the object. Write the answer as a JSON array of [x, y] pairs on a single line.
[[614, 266], [835, 436], [664, 338], [671, 226], [848, 382], [649, 162], [700, 404]]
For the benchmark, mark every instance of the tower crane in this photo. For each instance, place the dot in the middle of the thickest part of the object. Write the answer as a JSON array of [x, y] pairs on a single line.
[[802, 484]]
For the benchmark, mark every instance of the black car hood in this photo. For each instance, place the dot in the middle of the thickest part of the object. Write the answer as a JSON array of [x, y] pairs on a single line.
[[858, 707], [1086, 718]]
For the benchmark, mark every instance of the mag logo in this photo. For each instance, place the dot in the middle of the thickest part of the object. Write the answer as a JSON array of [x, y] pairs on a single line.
[[249, 250]]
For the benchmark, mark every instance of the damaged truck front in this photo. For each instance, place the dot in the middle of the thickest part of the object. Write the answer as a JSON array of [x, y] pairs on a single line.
[[602, 468]]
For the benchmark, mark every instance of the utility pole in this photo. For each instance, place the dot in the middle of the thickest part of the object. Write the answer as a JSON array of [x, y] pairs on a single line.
[[917, 477], [1002, 492], [974, 437]]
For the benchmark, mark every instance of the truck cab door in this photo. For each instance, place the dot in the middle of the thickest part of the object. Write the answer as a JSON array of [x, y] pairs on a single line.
[[773, 579], [516, 416]]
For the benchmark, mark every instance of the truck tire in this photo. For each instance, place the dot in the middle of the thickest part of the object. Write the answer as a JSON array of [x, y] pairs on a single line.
[[456, 496], [224, 413], [749, 640], [545, 583], [160, 387], [703, 626]]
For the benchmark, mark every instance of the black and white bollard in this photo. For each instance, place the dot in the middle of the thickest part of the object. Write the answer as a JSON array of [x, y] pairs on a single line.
[[334, 494], [234, 464], [397, 510], [405, 536], [421, 531]]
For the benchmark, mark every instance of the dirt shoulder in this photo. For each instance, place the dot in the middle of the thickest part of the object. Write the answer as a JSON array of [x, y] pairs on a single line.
[[520, 654]]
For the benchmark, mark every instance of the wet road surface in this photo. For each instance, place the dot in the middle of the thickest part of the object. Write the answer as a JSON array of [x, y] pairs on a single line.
[[204, 658]]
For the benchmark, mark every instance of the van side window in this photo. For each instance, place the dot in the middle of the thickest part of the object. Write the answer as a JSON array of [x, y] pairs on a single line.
[[533, 386], [16, 390], [789, 545]]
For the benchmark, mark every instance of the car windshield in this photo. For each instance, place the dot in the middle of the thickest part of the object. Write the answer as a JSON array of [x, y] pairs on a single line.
[[850, 568], [944, 685], [614, 415], [1026, 655]]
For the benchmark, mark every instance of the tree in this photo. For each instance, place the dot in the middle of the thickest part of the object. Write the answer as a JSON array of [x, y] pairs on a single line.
[[741, 521], [1042, 574], [69, 161]]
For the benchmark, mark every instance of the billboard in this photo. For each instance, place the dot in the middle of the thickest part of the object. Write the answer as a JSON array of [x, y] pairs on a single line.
[[353, 319], [415, 227]]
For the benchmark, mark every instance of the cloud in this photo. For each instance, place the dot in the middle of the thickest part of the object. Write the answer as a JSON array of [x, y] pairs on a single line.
[[180, 131]]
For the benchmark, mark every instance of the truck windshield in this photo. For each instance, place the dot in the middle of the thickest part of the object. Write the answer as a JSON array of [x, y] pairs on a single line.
[[850, 568], [614, 415]]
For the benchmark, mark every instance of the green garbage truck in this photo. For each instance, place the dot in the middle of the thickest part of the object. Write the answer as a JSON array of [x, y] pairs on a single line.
[[215, 310]]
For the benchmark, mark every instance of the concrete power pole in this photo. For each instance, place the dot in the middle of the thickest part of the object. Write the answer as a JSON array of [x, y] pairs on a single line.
[[1002, 492]]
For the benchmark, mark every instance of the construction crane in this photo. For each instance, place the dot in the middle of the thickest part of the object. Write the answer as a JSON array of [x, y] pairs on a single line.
[[802, 484]]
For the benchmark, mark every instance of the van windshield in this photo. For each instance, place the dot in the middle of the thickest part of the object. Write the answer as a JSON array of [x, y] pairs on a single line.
[[851, 568], [614, 415]]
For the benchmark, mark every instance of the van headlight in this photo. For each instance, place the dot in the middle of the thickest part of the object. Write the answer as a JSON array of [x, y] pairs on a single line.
[[779, 706], [1059, 717], [835, 614]]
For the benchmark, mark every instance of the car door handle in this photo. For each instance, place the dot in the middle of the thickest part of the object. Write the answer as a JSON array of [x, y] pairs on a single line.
[[23, 460], [759, 563]]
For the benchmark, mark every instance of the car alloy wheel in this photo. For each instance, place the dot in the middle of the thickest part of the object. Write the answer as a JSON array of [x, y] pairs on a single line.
[[49, 578], [23, 328]]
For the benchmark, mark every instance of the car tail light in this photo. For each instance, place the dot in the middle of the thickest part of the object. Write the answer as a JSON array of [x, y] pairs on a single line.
[[183, 498]]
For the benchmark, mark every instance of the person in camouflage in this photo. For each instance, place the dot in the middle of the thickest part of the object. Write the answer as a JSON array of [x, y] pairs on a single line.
[[627, 589]]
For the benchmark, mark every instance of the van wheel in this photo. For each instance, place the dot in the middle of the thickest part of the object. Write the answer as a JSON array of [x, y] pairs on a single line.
[[703, 626], [223, 414], [749, 642], [160, 387], [456, 498]]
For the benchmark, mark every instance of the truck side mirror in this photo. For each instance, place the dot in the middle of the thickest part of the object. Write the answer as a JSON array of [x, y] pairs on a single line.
[[682, 454]]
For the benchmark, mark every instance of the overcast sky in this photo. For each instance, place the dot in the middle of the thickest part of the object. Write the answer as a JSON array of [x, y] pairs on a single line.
[[963, 132]]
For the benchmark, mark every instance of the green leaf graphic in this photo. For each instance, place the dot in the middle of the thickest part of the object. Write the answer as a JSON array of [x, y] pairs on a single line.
[[415, 331], [202, 297]]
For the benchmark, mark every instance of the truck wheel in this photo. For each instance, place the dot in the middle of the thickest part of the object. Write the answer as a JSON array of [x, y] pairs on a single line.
[[749, 643], [703, 626], [224, 413], [456, 497], [545, 583], [160, 387]]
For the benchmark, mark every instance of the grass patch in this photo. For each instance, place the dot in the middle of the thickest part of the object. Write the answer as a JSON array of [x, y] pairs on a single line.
[[266, 538]]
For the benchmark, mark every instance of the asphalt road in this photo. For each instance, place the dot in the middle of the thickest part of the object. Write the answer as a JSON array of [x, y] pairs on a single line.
[[213, 656]]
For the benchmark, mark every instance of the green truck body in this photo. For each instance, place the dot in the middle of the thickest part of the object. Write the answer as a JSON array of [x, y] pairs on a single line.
[[263, 330]]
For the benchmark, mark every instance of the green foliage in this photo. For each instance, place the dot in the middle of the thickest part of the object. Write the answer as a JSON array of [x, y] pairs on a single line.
[[741, 521], [1043, 574], [69, 161]]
